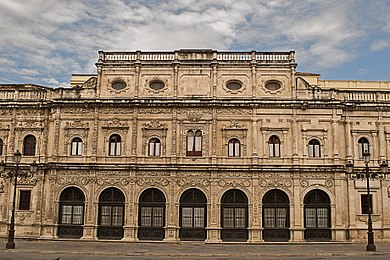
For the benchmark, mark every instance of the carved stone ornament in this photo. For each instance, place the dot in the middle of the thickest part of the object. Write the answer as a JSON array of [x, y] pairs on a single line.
[[234, 125], [112, 181], [30, 125], [1, 187], [152, 181], [304, 183], [28, 181], [115, 124], [193, 182], [22, 215], [155, 124], [155, 110], [234, 183], [275, 183], [77, 124], [75, 180], [90, 83]]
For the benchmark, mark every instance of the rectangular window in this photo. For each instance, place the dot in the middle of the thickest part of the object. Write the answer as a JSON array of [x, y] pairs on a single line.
[[106, 216], [146, 216], [269, 218], [117, 215], [198, 217], [364, 203], [66, 217], [228, 217], [240, 217], [322, 217], [24, 199], [186, 220], [158, 214], [77, 215], [311, 218], [281, 217]]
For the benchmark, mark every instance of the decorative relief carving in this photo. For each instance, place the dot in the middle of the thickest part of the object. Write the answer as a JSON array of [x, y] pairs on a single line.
[[29, 124], [152, 181], [77, 124], [113, 181], [113, 173], [114, 123], [304, 183], [234, 183], [22, 215], [1, 187], [76, 110], [155, 124], [329, 183], [156, 110], [154, 173], [193, 182], [193, 174], [28, 181], [275, 183], [75, 180], [90, 83], [278, 175], [6, 112], [223, 174], [115, 110], [29, 112], [234, 111], [4, 127], [314, 175]]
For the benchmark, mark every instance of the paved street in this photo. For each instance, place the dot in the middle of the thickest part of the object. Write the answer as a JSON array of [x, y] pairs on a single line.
[[67, 250]]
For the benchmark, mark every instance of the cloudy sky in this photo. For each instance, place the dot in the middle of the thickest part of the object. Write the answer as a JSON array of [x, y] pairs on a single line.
[[45, 41]]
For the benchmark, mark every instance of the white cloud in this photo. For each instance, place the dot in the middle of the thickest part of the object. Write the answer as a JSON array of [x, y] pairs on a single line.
[[46, 40]]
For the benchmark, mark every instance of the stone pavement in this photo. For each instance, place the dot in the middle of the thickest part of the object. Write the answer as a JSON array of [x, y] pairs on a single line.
[[156, 250]]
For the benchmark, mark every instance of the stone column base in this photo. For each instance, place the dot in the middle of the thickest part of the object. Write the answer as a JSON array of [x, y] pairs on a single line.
[[171, 234], [213, 235]]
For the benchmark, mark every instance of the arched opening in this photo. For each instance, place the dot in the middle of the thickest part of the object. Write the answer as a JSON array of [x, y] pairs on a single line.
[[234, 148], [29, 145], [151, 215], [276, 220], [317, 216], [76, 147], [363, 146], [234, 216], [114, 147], [71, 217], [193, 218], [154, 147], [111, 214], [274, 146]]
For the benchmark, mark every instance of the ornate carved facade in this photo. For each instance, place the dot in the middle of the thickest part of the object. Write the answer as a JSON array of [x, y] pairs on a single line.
[[196, 145]]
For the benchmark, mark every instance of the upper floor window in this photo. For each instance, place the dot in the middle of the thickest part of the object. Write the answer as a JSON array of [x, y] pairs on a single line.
[[24, 199], [314, 148], [1, 146], [194, 143], [274, 146], [29, 144], [114, 148], [364, 146], [272, 85], [234, 148], [156, 85], [154, 147], [118, 85], [233, 85], [76, 146]]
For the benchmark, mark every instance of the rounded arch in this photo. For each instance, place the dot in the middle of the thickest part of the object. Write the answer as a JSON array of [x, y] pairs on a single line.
[[240, 187], [234, 147], [157, 187], [151, 215], [115, 144], [29, 145], [317, 216], [276, 216], [188, 187], [193, 215], [322, 188], [76, 145], [71, 212], [234, 216], [154, 146], [111, 214]]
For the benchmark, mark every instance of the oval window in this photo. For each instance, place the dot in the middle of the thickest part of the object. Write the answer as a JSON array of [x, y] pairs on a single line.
[[272, 85], [156, 85], [233, 85], [118, 85]]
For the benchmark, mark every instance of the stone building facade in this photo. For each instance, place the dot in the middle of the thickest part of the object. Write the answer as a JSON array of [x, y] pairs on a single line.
[[196, 145]]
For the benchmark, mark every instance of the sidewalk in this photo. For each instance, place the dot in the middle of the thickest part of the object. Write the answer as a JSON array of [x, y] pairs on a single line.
[[191, 249]]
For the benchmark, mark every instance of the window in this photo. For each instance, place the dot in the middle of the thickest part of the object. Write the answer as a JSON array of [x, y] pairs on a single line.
[[193, 215], [234, 211], [154, 147], [114, 148], [111, 217], [156, 85], [365, 203], [24, 199], [151, 215], [234, 148], [274, 146], [76, 146], [233, 85], [194, 143], [29, 144], [314, 148], [363, 146], [276, 216], [71, 216], [118, 85], [1, 146], [272, 85], [317, 216]]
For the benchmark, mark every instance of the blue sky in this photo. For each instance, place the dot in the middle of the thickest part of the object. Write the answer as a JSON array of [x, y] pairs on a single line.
[[45, 41]]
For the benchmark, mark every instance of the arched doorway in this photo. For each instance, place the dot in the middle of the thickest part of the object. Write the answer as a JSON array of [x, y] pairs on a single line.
[[276, 221], [193, 218], [151, 215], [317, 216], [111, 214], [234, 216], [71, 217]]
